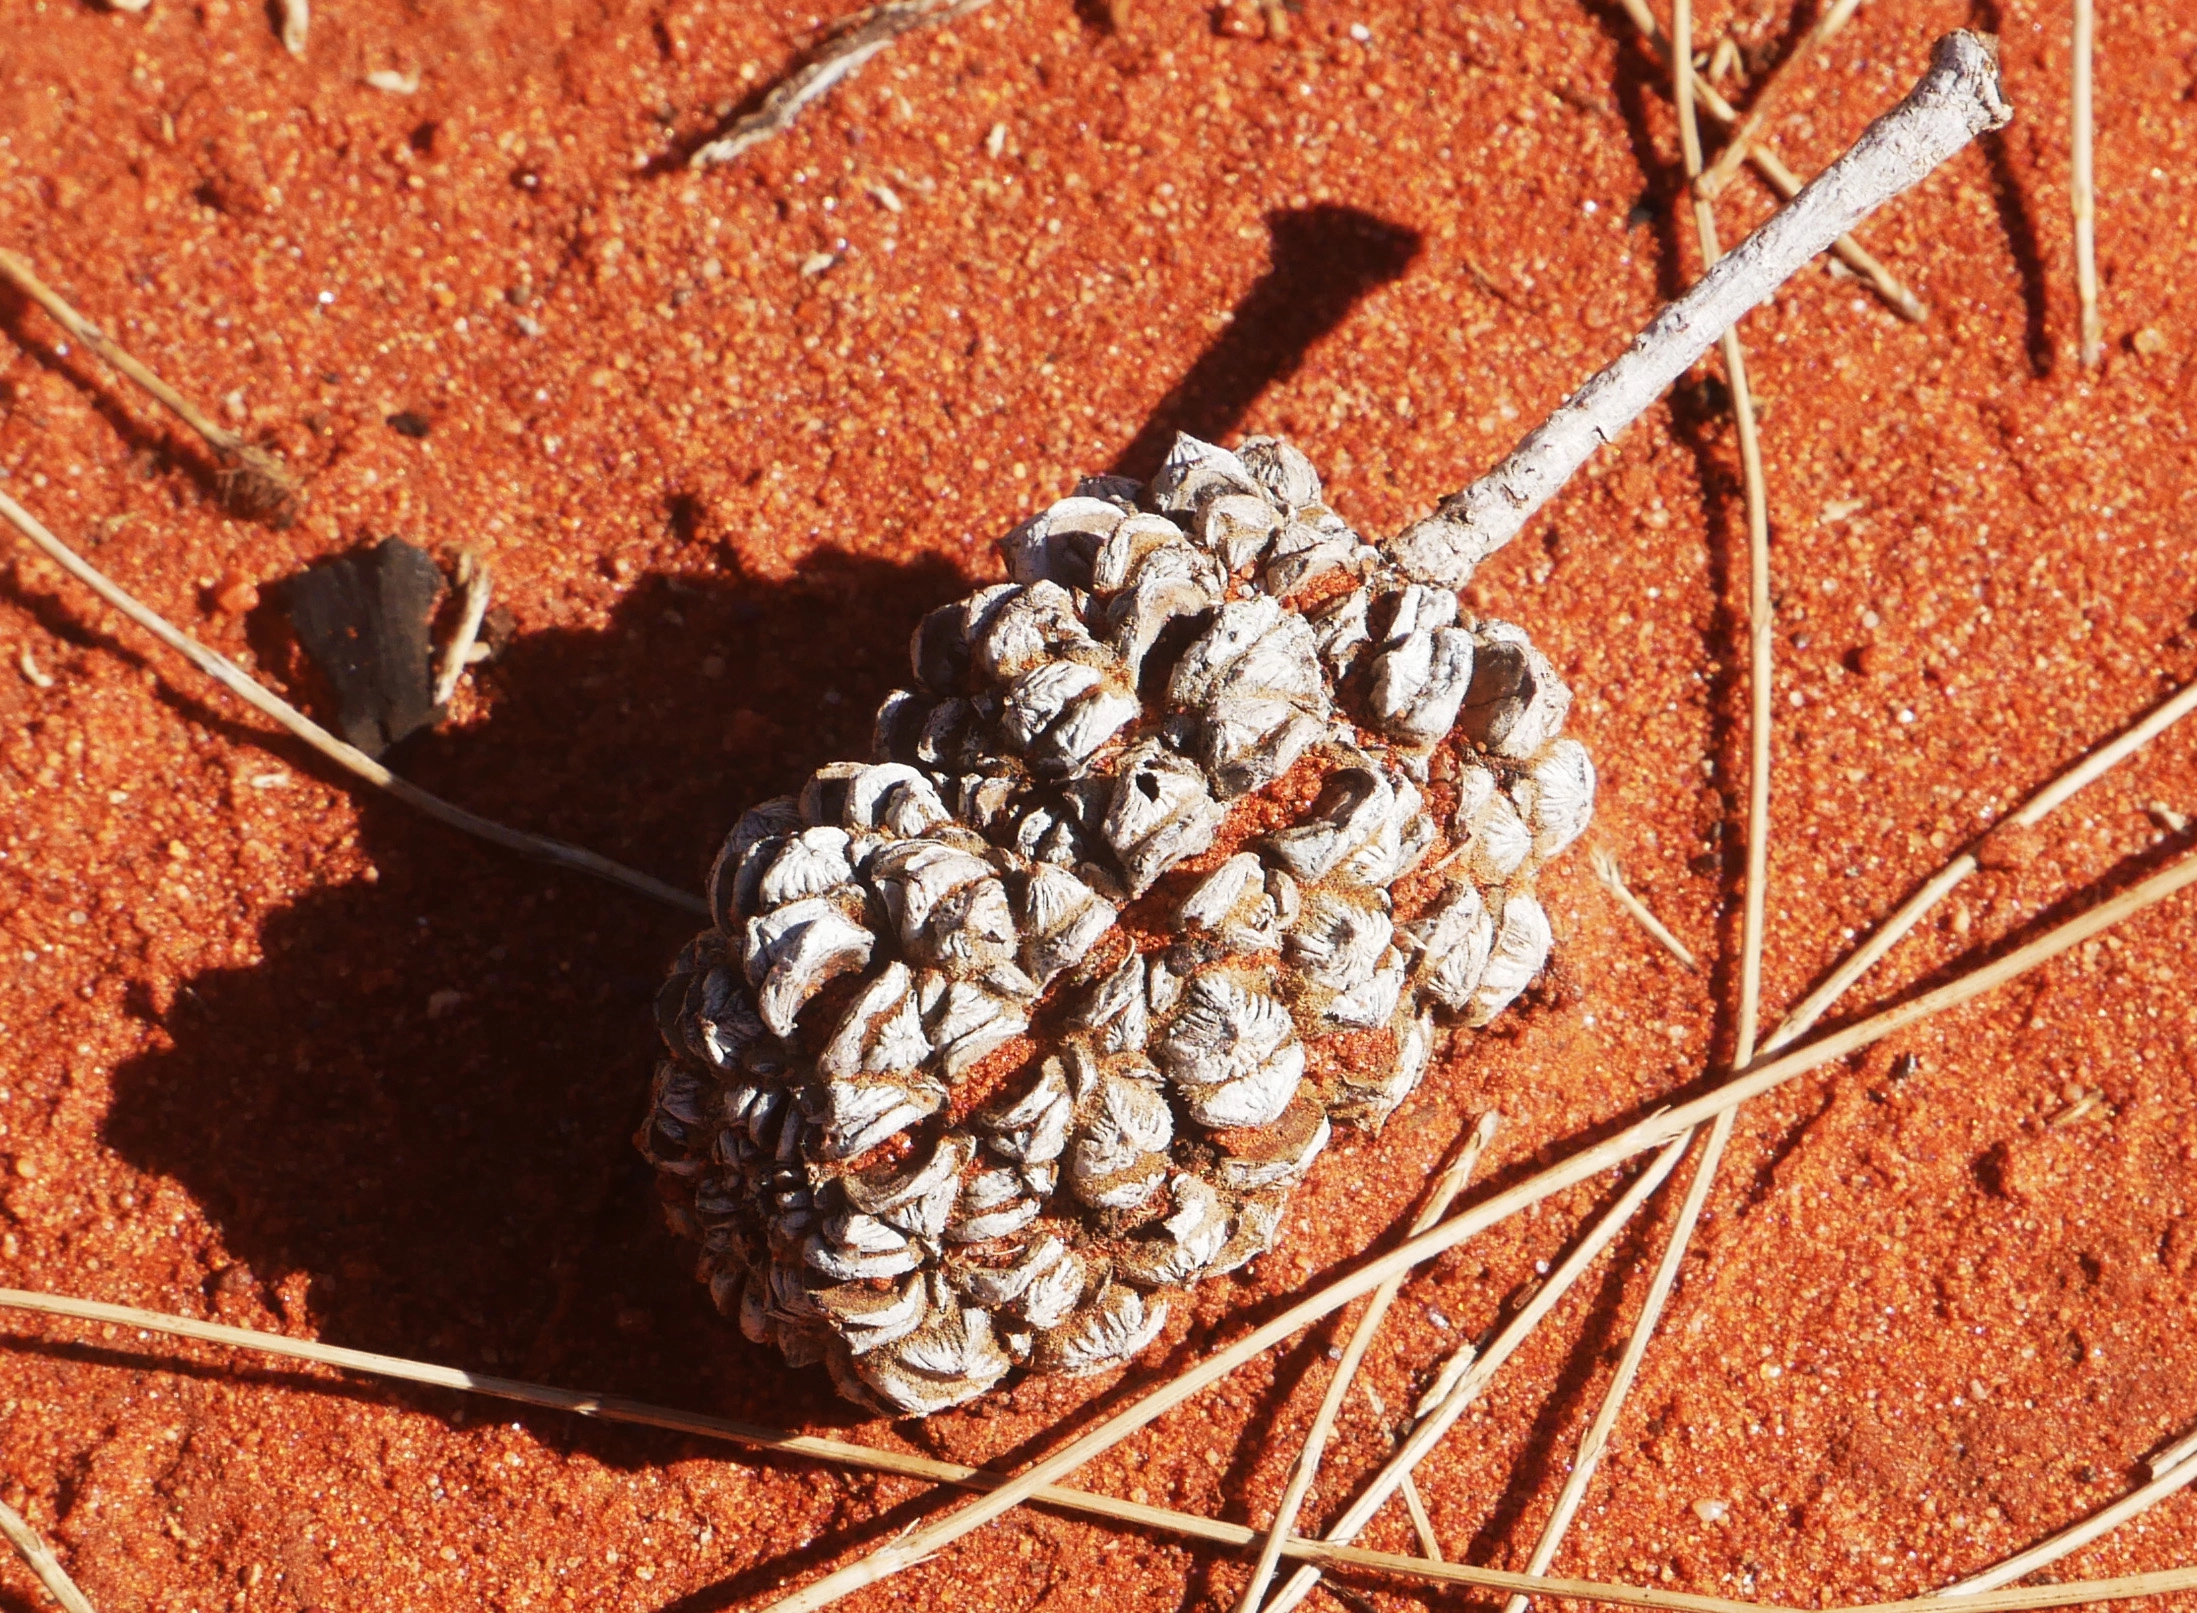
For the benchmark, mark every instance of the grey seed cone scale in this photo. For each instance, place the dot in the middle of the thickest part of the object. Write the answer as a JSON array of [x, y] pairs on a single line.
[[1184, 848]]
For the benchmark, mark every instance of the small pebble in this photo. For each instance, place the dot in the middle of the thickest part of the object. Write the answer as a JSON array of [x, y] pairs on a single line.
[[1712, 1511], [235, 593]]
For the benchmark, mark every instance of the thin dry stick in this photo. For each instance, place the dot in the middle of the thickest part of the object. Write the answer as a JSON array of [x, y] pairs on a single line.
[[1759, 614], [1612, 879], [1430, 1428], [2182, 1450], [2083, 186], [1758, 835], [2034, 810], [1955, 101], [1445, 1191], [1653, 1132], [851, 45], [254, 481], [1414, 1503], [1422, 1525], [1597, 1438], [2027, 816], [1779, 177], [1719, 173], [2076, 1536], [233, 678], [42, 1562], [473, 582], [611, 1408]]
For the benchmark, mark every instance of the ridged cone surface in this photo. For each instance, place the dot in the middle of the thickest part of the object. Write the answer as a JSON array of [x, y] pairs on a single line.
[[1186, 845]]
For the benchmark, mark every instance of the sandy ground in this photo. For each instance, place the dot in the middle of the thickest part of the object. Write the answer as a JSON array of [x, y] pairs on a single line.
[[296, 1060]]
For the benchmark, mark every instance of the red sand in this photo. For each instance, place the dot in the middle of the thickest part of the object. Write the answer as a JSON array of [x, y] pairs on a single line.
[[297, 1060]]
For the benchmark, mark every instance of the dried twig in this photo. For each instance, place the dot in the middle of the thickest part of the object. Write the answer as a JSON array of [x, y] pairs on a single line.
[[1653, 1132], [1759, 611], [1779, 177], [1955, 101], [1718, 174], [1597, 1438], [2027, 816], [1414, 1503], [2082, 184], [1759, 621], [42, 1562], [473, 586], [852, 43], [1796, 1024], [1446, 1188], [1422, 1525], [348, 757], [903, 1464], [2182, 1450], [254, 482], [1430, 1429], [1445, 1379], [1612, 879], [2178, 1476]]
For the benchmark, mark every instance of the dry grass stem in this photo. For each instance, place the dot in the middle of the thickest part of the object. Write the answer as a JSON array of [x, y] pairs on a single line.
[[254, 483], [297, 21], [1959, 98], [1444, 1193], [2177, 1477], [1429, 1430], [1036, 1483], [1414, 1502], [2027, 816], [618, 1409], [1760, 616], [1778, 176], [1652, 1132], [2082, 183], [2054, 794], [42, 1562], [2182, 1450], [1597, 1439], [1718, 174], [1612, 879], [1454, 1366], [851, 44], [1422, 1525], [354, 761], [473, 586]]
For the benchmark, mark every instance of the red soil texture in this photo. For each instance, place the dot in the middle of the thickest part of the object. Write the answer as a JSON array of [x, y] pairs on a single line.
[[282, 1054]]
